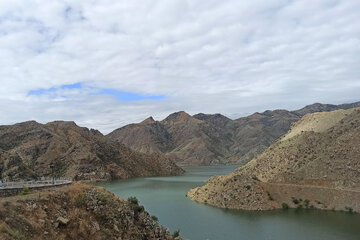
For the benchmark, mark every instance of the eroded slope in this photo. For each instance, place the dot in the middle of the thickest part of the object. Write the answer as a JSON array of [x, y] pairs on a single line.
[[316, 164], [27, 150]]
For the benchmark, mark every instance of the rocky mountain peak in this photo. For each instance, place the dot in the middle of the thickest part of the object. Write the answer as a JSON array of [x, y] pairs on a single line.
[[64, 124], [215, 119], [177, 117], [148, 120]]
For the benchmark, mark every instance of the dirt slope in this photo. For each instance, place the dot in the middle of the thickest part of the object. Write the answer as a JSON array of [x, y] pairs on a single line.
[[316, 164]]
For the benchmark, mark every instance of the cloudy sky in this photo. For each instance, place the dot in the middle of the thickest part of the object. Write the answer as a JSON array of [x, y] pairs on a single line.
[[107, 63]]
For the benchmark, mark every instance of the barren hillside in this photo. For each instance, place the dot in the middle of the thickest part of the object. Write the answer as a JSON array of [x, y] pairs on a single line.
[[27, 150], [316, 164], [207, 139]]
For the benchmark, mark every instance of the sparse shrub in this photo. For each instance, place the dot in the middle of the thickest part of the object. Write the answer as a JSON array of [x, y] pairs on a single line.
[[133, 200], [101, 196], [137, 208], [79, 200], [25, 190], [295, 201], [155, 218], [248, 187], [176, 233], [270, 197], [349, 209], [285, 206], [306, 203]]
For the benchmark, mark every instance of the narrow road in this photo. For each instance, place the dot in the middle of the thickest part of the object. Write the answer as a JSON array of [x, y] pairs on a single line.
[[314, 186]]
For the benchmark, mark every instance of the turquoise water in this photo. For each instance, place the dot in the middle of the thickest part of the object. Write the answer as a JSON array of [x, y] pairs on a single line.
[[165, 198]]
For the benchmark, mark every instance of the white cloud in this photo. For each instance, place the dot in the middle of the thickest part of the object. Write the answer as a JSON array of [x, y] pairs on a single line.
[[233, 57]]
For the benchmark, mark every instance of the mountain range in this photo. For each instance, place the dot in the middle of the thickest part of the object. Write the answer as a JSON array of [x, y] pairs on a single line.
[[208, 139], [149, 148]]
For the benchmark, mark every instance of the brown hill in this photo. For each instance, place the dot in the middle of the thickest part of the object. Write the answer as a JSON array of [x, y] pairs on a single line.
[[76, 212], [205, 139], [186, 139], [27, 150], [316, 164]]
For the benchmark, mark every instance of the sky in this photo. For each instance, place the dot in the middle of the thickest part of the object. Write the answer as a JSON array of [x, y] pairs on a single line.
[[105, 64]]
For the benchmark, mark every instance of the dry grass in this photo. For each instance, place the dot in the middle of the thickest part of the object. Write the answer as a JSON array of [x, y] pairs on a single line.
[[317, 122]]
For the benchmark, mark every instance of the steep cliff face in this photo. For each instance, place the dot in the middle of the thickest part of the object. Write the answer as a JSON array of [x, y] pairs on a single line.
[[316, 164], [27, 150], [76, 212], [205, 139]]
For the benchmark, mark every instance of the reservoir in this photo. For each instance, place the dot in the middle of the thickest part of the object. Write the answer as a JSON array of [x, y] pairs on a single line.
[[165, 198]]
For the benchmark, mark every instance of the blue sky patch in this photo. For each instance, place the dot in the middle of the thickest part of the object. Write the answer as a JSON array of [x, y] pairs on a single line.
[[122, 96], [129, 96], [42, 91], [71, 86]]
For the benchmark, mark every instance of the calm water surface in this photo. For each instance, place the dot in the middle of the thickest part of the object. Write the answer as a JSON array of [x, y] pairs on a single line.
[[165, 198]]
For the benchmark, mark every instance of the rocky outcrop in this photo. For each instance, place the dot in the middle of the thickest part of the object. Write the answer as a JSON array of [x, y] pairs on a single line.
[[32, 150], [76, 212], [315, 165], [206, 139]]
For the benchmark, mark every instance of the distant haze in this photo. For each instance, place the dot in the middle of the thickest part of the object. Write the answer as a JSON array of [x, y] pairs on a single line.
[[107, 63]]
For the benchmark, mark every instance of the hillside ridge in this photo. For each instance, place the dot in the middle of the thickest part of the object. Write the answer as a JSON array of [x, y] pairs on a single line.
[[209, 139], [315, 165], [28, 149]]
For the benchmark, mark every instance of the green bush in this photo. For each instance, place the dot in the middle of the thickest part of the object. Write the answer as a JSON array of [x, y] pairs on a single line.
[[133, 200], [155, 218], [285, 206], [176, 233], [25, 190], [295, 201], [137, 208]]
